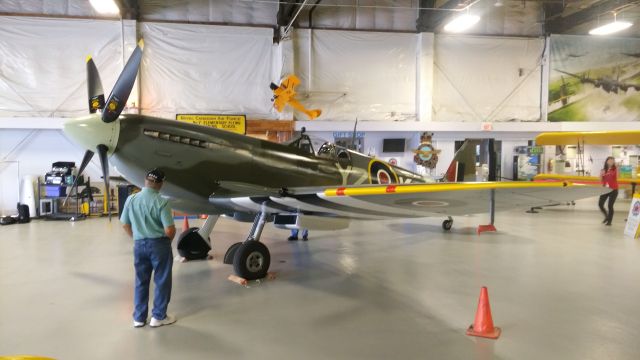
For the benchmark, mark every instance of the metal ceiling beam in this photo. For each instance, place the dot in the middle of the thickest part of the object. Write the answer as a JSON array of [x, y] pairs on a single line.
[[559, 24], [286, 11], [129, 9], [430, 20], [313, 8]]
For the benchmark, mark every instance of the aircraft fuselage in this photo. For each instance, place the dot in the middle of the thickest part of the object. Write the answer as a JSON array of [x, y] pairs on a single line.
[[199, 161]]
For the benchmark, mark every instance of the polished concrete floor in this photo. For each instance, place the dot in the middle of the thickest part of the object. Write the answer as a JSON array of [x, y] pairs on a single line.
[[562, 286]]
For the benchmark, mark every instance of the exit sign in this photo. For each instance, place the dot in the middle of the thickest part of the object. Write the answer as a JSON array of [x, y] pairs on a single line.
[[486, 126]]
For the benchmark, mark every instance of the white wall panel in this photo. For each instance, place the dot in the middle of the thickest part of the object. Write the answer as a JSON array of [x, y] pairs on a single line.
[[43, 63], [487, 79], [190, 68]]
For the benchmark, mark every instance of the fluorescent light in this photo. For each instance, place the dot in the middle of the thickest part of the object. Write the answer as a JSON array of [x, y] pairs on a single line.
[[610, 28], [461, 23], [106, 7]]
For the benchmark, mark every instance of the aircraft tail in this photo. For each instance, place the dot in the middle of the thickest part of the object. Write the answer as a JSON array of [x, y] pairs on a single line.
[[463, 161], [463, 166]]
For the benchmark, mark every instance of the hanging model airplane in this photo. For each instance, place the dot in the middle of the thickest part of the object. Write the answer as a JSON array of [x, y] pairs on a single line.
[[285, 94], [215, 172]]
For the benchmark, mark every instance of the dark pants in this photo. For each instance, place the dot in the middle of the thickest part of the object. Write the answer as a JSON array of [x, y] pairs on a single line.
[[152, 255], [305, 233], [611, 196]]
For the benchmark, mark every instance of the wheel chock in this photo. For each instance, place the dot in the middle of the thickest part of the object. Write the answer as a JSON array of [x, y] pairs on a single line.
[[238, 280], [244, 282], [184, 260], [486, 228]]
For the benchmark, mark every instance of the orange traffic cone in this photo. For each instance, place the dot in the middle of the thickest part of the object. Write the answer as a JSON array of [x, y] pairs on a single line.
[[185, 224], [483, 325]]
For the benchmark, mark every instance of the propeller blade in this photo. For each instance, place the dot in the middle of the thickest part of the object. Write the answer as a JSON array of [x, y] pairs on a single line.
[[122, 89], [85, 161], [94, 87], [104, 162]]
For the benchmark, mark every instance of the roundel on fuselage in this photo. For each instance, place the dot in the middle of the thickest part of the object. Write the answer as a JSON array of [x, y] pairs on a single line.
[[381, 173]]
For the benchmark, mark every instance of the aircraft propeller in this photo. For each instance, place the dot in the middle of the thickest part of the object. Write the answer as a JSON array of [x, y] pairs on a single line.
[[111, 109]]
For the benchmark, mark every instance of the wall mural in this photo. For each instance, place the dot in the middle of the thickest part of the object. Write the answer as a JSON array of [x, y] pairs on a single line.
[[594, 79]]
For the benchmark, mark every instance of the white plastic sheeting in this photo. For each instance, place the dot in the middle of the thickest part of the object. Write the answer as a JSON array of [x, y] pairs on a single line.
[[49, 7], [42, 67], [207, 69], [221, 11], [349, 75], [487, 79]]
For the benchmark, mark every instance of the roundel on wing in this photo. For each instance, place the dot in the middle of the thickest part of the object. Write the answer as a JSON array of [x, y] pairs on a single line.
[[381, 173]]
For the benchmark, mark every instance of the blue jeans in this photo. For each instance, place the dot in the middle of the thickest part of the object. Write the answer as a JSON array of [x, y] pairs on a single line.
[[152, 255], [305, 233]]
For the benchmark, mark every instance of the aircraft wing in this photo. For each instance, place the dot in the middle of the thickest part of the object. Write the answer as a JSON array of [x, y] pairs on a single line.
[[591, 180], [626, 87], [416, 200], [579, 77]]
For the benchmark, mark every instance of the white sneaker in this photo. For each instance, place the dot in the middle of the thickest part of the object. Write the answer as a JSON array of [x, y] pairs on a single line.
[[168, 320], [138, 324]]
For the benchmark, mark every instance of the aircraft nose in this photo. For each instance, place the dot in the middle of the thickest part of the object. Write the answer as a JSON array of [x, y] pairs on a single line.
[[91, 131]]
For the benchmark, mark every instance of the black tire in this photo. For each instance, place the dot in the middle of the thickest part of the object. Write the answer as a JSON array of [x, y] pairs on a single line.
[[192, 246], [252, 260], [447, 224], [231, 253]]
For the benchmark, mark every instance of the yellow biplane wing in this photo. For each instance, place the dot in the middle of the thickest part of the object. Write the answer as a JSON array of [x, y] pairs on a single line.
[[620, 137]]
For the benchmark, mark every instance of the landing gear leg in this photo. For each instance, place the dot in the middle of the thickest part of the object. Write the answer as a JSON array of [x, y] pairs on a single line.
[[194, 244], [447, 224], [251, 258], [492, 212]]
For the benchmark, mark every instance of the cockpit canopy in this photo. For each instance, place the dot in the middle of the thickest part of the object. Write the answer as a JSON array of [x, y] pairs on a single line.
[[327, 150]]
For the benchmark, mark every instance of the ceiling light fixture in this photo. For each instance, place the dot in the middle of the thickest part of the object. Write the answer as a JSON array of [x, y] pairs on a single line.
[[612, 27], [462, 22], [105, 7]]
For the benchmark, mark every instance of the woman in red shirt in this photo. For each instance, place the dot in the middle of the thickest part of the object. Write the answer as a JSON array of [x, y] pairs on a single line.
[[609, 178]]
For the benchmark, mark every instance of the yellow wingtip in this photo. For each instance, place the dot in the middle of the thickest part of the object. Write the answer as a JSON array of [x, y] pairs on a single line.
[[141, 43], [88, 58]]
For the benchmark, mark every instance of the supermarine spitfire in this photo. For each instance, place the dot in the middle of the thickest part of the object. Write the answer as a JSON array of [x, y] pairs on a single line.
[[294, 185]]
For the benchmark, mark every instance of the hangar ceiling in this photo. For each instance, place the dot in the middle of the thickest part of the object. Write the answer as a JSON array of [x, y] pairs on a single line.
[[499, 17]]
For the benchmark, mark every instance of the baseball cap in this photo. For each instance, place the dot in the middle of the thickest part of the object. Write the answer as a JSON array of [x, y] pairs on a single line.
[[156, 176]]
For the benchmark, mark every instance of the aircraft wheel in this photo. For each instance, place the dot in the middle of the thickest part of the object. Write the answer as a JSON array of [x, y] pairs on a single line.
[[252, 260], [447, 224], [231, 252], [192, 246]]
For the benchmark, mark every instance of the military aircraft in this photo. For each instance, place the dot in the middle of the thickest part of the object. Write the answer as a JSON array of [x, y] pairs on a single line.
[[608, 84], [220, 173]]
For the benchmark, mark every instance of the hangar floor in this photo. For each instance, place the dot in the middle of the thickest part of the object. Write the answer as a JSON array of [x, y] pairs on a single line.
[[562, 286]]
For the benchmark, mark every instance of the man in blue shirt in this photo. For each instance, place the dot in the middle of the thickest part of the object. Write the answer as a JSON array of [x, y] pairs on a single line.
[[147, 218]]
